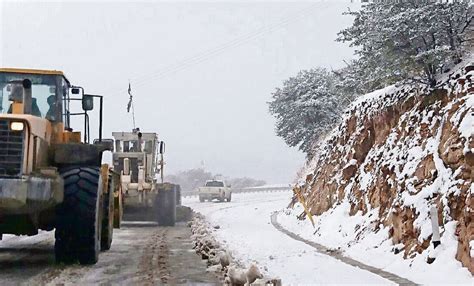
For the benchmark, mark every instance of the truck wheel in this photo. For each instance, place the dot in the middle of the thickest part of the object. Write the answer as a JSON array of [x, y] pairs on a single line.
[[78, 225], [108, 218], [165, 205], [229, 198], [201, 199]]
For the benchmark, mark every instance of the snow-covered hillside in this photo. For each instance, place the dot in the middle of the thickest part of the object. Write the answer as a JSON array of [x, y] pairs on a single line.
[[400, 151]]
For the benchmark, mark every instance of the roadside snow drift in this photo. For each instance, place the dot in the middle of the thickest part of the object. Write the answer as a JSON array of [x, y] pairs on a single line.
[[244, 228]]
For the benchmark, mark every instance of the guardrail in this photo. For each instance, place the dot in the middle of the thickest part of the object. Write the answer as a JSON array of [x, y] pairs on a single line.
[[245, 190]]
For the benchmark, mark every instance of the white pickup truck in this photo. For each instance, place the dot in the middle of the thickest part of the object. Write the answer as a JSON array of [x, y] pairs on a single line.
[[214, 189]]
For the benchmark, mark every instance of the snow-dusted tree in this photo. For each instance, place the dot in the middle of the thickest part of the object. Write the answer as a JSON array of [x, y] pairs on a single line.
[[350, 78], [416, 40], [306, 107], [191, 179]]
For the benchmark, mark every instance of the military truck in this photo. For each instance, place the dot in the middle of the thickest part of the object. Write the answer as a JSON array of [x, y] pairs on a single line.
[[51, 177], [138, 157]]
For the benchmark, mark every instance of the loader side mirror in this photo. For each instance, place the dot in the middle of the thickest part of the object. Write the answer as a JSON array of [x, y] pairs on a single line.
[[87, 102], [162, 147]]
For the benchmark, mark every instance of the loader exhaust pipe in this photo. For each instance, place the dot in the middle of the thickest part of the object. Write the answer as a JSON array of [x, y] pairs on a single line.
[[27, 97]]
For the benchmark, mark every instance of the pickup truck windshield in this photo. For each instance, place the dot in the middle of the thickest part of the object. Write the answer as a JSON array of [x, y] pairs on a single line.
[[214, 184]]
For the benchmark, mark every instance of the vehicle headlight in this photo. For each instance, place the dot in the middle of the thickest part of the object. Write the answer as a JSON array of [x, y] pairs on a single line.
[[17, 126]]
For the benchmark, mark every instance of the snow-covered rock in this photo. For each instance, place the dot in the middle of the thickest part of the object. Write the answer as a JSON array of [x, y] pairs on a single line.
[[237, 276], [244, 277], [224, 259]]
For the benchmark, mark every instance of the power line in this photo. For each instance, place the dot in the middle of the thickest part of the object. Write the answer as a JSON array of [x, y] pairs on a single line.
[[211, 53]]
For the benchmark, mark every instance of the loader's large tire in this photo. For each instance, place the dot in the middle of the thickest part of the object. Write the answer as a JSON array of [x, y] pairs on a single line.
[[78, 225], [108, 218], [165, 204]]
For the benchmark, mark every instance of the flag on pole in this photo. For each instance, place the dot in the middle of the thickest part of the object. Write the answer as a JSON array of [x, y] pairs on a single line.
[[129, 105]]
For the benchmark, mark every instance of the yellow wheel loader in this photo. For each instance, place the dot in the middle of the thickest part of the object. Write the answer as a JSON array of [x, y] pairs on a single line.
[[138, 157], [51, 177]]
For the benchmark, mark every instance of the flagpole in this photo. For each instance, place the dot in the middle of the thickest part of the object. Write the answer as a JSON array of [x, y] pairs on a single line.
[[130, 104], [133, 116]]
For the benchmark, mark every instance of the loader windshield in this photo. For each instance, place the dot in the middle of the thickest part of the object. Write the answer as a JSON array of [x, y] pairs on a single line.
[[43, 91]]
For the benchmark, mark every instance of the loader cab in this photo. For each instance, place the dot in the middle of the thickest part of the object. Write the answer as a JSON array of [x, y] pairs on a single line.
[[35, 111], [46, 94], [31, 110], [48, 88]]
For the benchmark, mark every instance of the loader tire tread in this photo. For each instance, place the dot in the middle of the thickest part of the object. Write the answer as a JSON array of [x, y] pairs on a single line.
[[78, 225], [108, 218]]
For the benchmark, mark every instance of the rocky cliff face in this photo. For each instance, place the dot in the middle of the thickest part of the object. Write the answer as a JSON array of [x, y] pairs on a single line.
[[400, 151]]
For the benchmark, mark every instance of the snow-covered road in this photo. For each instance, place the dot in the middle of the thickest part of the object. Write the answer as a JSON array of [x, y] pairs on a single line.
[[245, 228], [142, 254]]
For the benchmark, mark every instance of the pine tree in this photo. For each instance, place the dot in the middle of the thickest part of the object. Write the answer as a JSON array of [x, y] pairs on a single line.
[[306, 107], [400, 40]]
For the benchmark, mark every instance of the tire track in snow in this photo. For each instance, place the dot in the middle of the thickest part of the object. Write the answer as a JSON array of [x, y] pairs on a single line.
[[338, 255], [154, 261]]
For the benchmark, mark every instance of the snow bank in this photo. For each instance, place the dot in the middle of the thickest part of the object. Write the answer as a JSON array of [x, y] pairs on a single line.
[[219, 257], [338, 230], [245, 230]]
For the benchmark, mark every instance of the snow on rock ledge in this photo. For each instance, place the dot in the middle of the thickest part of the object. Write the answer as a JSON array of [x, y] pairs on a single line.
[[399, 151]]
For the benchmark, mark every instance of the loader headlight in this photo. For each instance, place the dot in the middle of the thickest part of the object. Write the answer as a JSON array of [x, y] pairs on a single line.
[[17, 126]]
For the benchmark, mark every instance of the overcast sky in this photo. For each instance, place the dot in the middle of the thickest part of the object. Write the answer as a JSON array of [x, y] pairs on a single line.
[[201, 72]]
